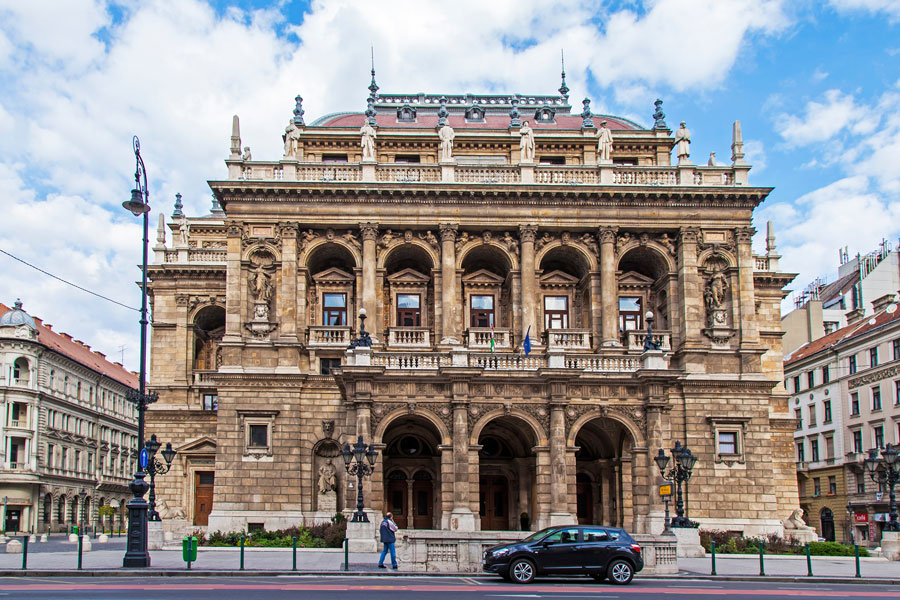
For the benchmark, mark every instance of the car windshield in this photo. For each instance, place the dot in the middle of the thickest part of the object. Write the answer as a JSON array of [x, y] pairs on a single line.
[[538, 535]]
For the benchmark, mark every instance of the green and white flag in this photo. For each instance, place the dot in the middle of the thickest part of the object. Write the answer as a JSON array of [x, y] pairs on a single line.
[[492, 338]]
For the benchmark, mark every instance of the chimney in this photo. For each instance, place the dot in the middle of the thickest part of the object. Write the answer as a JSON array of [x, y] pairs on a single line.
[[881, 303], [118, 364], [66, 335], [48, 326], [100, 354], [855, 315]]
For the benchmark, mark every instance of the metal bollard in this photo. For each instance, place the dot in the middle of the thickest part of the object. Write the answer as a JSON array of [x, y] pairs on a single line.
[[809, 572], [346, 554], [242, 553], [80, 543], [856, 553], [762, 568], [712, 551], [24, 552], [294, 544]]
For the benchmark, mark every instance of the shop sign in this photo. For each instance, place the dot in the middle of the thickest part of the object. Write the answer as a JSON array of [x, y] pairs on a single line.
[[861, 517]]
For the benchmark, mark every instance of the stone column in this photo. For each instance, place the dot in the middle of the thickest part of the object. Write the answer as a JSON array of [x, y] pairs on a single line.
[[626, 500], [596, 307], [609, 292], [605, 494], [461, 517], [233, 294], [689, 301], [302, 306], [369, 302], [528, 298], [559, 477], [289, 295], [542, 476], [641, 492], [742, 296], [184, 357], [449, 303]]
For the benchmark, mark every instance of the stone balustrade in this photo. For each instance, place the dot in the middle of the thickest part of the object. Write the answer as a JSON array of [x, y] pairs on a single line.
[[322, 336], [203, 377], [569, 339], [408, 337], [526, 173], [196, 255], [480, 338], [508, 361], [602, 364], [410, 361], [498, 361], [635, 339]]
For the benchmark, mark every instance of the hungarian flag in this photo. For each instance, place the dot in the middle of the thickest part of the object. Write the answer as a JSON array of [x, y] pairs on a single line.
[[492, 338], [526, 343]]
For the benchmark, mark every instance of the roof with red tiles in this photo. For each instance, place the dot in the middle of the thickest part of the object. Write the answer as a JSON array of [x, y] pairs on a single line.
[[883, 317], [459, 121], [79, 352]]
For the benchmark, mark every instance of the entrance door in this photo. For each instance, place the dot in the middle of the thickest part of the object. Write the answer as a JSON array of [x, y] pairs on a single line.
[[397, 499], [13, 517], [494, 503], [423, 501], [584, 499], [827, 524], [204, 483]]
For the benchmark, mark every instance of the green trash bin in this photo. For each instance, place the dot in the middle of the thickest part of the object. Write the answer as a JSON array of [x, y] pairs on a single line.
[[75, 529], [189, 550]]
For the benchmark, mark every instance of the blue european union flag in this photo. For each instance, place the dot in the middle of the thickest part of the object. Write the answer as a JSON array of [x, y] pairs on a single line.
[[526, 345]]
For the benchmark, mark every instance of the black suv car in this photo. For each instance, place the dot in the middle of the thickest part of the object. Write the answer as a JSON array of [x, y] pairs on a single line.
[[596, 551]]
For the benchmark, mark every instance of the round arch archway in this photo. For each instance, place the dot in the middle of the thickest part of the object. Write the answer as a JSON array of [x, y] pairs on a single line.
[[412, 467], [507, 483], [601, 476]]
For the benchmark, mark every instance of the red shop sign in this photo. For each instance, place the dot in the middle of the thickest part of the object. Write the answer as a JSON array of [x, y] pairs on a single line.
[[861, 517]]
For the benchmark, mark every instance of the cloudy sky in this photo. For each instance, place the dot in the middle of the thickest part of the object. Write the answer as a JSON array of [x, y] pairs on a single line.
[[816, 85]]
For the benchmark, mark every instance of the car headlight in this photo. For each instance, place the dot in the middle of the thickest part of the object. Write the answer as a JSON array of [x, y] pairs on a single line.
[[500, 552]]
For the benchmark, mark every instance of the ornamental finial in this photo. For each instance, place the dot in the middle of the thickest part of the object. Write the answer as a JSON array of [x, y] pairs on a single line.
[[563, 88]]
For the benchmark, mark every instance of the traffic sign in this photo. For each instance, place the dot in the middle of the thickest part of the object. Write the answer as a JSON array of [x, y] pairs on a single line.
[[665, 490], [144, 458]]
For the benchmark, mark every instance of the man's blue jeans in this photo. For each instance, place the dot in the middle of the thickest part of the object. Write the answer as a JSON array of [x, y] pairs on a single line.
[[388, 546]]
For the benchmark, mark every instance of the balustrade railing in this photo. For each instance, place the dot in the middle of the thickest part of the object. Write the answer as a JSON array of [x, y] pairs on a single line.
[[566, 175], [322, 336], [480, 337], [328, 172], [203, 377], [507, 361], [418, 337], [488, 174], [570, 339], [602, 364], [645, 176], [403, 173], [635, 339], [410, 361]]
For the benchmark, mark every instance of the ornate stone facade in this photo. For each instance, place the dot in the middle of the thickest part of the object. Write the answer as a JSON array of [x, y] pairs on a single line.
[[457, 259]]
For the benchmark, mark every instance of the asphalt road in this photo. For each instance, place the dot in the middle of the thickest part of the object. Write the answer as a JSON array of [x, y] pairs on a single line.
[[418, 588]]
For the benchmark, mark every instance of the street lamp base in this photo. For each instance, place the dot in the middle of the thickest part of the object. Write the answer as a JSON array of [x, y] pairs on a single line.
[[683, 522]]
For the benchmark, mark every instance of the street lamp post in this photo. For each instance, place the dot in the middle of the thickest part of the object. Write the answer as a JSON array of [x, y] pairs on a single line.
[[649, 343], [681, 471], [81, 497], [156, 467], [363, 339], [359, 461], [136, 553], [886, 472]]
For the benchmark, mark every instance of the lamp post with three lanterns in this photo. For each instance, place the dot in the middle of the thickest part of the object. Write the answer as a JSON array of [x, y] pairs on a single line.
[[886, 472], [359, 461], [681, 471]]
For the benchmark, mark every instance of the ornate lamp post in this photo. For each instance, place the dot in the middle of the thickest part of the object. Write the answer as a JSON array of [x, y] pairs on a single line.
[[649, 343], [886, 472], [681, 471], [363, 339], [359, 461], [81, 496], [156, 467], [136, 553]]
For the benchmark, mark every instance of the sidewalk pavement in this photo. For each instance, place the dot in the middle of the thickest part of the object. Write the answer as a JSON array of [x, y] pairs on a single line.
[[59, 555]]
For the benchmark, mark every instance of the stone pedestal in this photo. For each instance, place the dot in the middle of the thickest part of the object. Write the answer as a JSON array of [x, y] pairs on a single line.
[[14, 547], [654, 359], [527, 171], [368, 170], [462, 519], [890, 545], [561, 518], [362, 537], [44, 537], [801, 536], [155, 538], [102, 538], [32, 539], [688, 542], [326, 507], [73, 538], [86, 544]]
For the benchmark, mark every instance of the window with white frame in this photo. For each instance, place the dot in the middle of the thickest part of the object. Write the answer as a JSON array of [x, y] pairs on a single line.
[[876, 397], [729, 433], [258, 428]]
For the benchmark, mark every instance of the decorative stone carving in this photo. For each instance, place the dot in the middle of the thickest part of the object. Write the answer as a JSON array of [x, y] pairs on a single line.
[[261, 289], [526, 142], [327, 478], [716, 296], [445, 134], [683, 144], [511, 244], [429, 238], [369, 231], [386, 239], [607, 235], [590, 242], [604, 144], [527, 233], [544, 240], [305, 238], [448, 231], [367, 141], [246, 156], [328, 428], [352, 239], [668, 242], [291, 139], [622, 241], [796, 528], [461, 240], [690, 235], [486, 237]]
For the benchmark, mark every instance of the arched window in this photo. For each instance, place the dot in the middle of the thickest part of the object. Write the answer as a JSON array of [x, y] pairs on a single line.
[[20, 371]]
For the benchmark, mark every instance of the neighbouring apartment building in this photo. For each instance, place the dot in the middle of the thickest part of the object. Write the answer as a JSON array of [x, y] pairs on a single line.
[[507, 253], [68, 435], [845, 390]]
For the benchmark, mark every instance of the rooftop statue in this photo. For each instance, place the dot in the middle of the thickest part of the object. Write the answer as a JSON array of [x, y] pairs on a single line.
[[526, 142], [291, 139], [368, 141], [683, 144], [247, 156], [446, 134], [604, 144]]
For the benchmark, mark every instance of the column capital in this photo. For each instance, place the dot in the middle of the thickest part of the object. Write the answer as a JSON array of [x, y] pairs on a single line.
[[527, 233], [607, 235], [744, 235], [690, 235], [369, 231], [448, 231], [234, 229], [288, 230]]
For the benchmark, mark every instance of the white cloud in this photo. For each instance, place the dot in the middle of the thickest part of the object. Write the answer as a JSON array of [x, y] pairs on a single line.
[[755, 155], [889, 7], [821, 121]]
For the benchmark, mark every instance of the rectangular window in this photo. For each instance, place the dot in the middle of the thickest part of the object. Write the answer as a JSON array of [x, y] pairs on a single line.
[[409, 310], [334, 158], [854, 403], [630, 316], [876, 397], [895, 345], [817, 487], [49, 458], [814, 450], [210, 402], [812, 415], [334, 307], [832, 485], [326, 365], [556, 312], [798, 414], [827, 406], [482, 311], [879, 436], [408, 158], [851, 362], [811, 379], [857, 441], [829, 446], [797, 384], [873, 357], [259, 436], [897, 392], [801, 452], [78, 460], [826, 374], [860, 483], [728, 442], [90, 462]]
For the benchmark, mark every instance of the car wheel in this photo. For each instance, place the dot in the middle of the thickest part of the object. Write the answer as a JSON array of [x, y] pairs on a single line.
[[620, 572], [522, 571], [598, 577]]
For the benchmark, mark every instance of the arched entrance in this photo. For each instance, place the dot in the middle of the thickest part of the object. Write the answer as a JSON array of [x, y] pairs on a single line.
[[601, 443], [506, 467], [411, 464]]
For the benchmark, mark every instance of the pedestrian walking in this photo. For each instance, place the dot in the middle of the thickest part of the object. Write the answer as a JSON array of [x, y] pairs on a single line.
[[388, 530]]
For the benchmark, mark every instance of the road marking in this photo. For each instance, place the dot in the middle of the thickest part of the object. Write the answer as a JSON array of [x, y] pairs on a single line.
[[472, 581]]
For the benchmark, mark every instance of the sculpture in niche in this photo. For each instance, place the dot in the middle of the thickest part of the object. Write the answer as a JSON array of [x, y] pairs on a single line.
[[327, 478], [262, 290], [261, 286], [526, 142], [716, 294]]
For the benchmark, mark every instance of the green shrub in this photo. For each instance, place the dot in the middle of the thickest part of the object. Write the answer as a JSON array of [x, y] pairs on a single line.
[[326, 535], [833, 549]]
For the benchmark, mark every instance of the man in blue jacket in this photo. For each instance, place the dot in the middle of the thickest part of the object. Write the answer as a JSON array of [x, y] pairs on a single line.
[[387, 530]]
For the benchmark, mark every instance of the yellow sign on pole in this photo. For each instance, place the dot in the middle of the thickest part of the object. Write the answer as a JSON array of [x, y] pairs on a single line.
[[665, 490]]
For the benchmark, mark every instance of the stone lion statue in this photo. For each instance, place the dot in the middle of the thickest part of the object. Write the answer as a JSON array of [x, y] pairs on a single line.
[[167, 512], [795, 521]]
